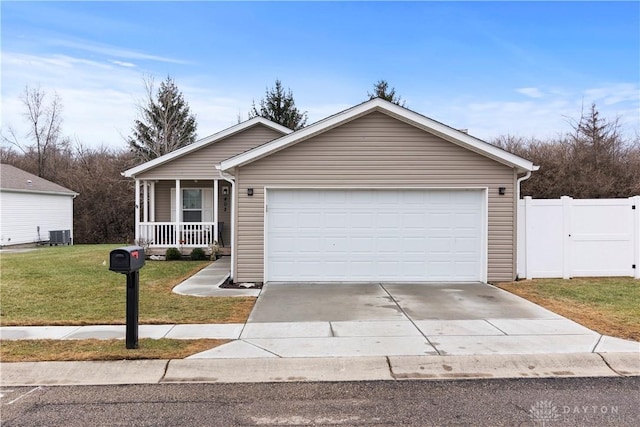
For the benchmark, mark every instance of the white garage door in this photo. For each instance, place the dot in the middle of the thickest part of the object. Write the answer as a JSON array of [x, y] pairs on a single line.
[[375, 235]]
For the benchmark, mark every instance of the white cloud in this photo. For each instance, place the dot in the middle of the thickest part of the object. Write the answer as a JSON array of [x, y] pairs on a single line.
[[100, 98], [124, 64], [613, 94], [113, 51], [545, 117], [532, 92]]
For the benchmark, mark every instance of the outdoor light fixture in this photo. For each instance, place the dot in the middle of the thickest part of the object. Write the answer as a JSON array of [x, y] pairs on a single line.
[[249, 191], [502, 191]]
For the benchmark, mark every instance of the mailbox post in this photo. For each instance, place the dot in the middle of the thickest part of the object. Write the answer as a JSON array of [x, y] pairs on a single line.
[[129, 260]]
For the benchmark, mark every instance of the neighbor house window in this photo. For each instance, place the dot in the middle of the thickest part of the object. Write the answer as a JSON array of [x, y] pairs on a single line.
[[192, 205]]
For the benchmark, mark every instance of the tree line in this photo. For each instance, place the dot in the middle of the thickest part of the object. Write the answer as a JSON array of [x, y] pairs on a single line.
[[592, 160]]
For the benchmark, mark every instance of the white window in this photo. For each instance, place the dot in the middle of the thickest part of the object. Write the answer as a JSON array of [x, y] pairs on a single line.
[[197, 205], [192, 205]]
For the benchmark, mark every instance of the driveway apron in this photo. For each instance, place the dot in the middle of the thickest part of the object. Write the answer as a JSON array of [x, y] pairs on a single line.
[[309, 302], [379, 319]]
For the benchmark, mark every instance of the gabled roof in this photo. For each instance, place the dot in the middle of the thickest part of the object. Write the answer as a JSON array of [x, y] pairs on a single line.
[[204, 142], [19, 181], [401, 113]]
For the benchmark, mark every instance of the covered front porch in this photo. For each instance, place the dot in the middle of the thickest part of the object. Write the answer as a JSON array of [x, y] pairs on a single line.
[[184, 214]]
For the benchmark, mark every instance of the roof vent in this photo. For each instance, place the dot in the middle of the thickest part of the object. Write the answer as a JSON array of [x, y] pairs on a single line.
[[464, 131], [29, 182]]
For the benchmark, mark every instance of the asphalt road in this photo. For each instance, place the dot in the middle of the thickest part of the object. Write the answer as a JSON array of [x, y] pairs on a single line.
[[520, 402]]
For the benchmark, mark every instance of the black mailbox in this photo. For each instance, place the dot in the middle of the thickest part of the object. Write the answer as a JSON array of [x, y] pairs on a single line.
[[127, 259]]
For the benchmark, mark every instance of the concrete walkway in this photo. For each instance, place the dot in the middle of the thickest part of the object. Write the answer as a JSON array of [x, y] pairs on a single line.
[[357, 339], [206, 282], [230, 331]]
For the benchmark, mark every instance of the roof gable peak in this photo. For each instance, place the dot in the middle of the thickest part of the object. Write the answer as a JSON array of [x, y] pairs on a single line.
[[207, 140], [398, 112]]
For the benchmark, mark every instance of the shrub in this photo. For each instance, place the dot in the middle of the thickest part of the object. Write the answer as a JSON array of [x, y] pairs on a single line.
[[173, 254], [198, 255]]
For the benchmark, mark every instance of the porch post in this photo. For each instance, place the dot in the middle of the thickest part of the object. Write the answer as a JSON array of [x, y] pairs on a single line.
[[177, 213], [137, 211], [152, 202], [215, 210], [145, 206]]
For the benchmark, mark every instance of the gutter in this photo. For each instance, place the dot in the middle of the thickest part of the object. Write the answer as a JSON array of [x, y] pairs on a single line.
[[51, 193], [232, 180]]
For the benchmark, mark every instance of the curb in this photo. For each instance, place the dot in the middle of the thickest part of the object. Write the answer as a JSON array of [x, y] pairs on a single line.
[[382, 368]]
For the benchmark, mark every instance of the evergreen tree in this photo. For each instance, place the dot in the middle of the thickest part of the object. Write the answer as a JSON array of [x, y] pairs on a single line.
[[279, 107], [166, 122], [381, 90]]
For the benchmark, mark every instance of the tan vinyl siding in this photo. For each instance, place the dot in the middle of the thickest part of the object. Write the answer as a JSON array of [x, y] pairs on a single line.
[[375, 151], [201, 164]]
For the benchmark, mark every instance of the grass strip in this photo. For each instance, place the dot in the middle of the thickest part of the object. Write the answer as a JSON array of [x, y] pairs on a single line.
[[608, 305], [84, 350]]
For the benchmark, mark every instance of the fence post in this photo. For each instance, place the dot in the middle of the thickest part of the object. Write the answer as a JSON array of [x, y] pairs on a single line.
[[528, 201], [635, 201], [566, 236]]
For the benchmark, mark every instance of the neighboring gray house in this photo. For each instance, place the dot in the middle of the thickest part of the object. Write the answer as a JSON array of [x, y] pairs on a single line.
[[375, 192], [31, 207]]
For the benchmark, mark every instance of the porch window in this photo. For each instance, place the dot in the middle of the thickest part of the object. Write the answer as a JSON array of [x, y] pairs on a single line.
[[192, 205]]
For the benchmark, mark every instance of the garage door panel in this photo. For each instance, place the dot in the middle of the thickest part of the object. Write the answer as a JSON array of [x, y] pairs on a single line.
[[465, 246], [363, 220], [308, 245], [335, 220], [391, 235], [413, 220], [336, 270], [440, 245], [283, 220], [362, 245], [415, 244], [362, 269]]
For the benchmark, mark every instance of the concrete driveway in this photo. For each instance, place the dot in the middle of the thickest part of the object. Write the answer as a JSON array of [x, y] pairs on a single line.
[[294, 302], [375, 319]]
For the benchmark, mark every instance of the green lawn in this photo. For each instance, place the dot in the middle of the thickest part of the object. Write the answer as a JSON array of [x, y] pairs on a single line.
[[50, 350], [609, 305], [72, 285]]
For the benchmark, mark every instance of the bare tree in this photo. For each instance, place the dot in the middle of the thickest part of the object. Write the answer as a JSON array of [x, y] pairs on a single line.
[[44, 137], [593, 160], [105, 195]]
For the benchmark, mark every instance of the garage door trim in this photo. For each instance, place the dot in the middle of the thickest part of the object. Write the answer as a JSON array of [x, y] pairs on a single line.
[[483, 215]]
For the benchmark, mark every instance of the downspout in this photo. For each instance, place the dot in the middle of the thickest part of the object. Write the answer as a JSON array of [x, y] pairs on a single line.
[[519, 216], [524, 178], [231, 180]]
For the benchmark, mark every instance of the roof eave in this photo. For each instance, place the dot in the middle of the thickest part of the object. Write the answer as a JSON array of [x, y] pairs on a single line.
[[27, 191]]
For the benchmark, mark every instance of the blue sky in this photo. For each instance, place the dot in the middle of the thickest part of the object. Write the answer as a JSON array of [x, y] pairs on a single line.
[[495, 68]]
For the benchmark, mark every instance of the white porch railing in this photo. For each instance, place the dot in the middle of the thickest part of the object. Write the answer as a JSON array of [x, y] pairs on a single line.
[[187, 234]]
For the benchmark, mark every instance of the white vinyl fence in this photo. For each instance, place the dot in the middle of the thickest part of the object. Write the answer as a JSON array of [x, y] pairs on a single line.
[[578, 238]]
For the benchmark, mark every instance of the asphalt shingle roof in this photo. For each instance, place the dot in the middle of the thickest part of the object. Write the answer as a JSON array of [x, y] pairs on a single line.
[[12, 178]]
